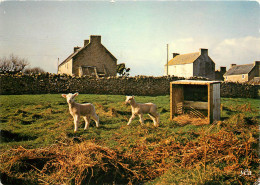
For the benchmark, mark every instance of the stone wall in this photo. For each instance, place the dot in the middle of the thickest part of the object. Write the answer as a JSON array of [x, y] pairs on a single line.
[[238, 90], [141, 85]]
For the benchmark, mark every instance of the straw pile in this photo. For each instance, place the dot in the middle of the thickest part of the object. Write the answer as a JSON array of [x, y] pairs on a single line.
[[84, 162]]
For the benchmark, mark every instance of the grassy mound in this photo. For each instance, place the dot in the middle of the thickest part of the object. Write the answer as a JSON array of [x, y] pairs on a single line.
[[184, 151], [72, 161]]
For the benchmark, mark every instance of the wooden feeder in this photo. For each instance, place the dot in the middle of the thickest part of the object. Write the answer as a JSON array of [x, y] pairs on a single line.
[[199, 98]]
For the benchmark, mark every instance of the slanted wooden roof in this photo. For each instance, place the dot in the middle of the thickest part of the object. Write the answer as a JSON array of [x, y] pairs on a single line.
[[194, 82], [239, 69], [184, 59]]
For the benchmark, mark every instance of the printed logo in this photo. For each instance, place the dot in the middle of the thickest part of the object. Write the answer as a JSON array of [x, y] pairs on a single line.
[[246, 172]]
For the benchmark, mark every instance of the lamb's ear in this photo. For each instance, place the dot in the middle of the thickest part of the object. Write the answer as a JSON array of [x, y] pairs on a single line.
[[75, 94], [64, 95]]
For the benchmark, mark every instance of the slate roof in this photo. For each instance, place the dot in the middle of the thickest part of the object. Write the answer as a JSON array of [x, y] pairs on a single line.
[[184, 59], [79, 50], [239, 69]]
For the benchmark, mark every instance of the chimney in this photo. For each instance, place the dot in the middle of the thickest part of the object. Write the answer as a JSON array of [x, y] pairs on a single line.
[[86, 42], [203, 51], [76, 49], [175, 54], [232, 65], [223, 69], [257, 66], [95, 38]]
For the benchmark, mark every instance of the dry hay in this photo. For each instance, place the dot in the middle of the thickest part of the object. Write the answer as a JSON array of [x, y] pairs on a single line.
[[83, 163], [223, 151], [88, 163], [104, 111], [245, 107], [185, 119]]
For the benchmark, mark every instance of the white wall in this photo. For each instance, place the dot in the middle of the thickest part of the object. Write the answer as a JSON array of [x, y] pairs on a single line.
[[66, 68], [184, 70]]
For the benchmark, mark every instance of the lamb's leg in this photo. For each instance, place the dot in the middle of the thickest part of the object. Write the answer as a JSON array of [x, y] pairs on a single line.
[[155, 118], [96, 119], [87, 122], [157, 122], [76, 122], [141, 119], [130, 120]]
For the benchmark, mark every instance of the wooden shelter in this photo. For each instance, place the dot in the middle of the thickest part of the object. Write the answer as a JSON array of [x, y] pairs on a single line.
[[199, 98]]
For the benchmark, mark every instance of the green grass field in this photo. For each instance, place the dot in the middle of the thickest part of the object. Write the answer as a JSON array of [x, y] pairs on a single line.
[[37, 129]]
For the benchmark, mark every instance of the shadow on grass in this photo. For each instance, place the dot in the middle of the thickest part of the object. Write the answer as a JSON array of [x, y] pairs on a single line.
[[124, 112], [8, 136]]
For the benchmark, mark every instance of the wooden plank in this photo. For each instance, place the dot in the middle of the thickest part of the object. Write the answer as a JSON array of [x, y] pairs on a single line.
[[216, 102], [176, 97], [196, 113], [196, 104], [180, 108], [210, 103], [171, 102], [194, 82]]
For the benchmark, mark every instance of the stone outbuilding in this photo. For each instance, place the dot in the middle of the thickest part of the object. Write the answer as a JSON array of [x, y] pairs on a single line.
[[219, 74], [92, 59], [192, 64], [243, 73]]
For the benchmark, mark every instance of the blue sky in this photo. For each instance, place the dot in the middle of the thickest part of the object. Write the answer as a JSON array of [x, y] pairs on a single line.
[[135, 32]]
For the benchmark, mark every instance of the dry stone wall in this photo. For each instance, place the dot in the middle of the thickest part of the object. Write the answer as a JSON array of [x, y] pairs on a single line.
[[238, 90], [141, 85]]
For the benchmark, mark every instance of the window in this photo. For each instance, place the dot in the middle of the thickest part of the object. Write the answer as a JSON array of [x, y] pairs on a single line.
[[243, 76]]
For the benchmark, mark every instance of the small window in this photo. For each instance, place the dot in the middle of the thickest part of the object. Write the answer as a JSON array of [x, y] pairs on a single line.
[[243, 76]]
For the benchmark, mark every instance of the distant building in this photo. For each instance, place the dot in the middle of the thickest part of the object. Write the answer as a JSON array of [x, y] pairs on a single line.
[[192, 64], [219, 74], [243, 73], [92, 59]]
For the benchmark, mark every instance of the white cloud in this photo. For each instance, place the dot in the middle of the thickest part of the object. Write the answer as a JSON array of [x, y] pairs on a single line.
[[189, 45], [236, 50], [188, 39]]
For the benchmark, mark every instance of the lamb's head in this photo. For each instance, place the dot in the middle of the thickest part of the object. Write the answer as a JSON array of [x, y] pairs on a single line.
[[129, 99], [70, 97]]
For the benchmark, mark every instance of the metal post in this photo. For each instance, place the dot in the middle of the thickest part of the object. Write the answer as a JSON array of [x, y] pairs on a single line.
[[58, 66], [167, 61]]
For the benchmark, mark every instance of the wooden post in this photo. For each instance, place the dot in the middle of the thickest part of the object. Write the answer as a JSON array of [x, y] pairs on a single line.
[[171, 101], [210, 103], [216, 101]]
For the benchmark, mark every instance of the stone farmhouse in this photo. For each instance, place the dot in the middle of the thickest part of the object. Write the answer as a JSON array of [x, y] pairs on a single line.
[[93, 59], [192, 64], [243, 73]]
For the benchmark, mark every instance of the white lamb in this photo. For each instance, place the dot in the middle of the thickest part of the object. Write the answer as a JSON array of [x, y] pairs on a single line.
[[142, 108], [76, 110]]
